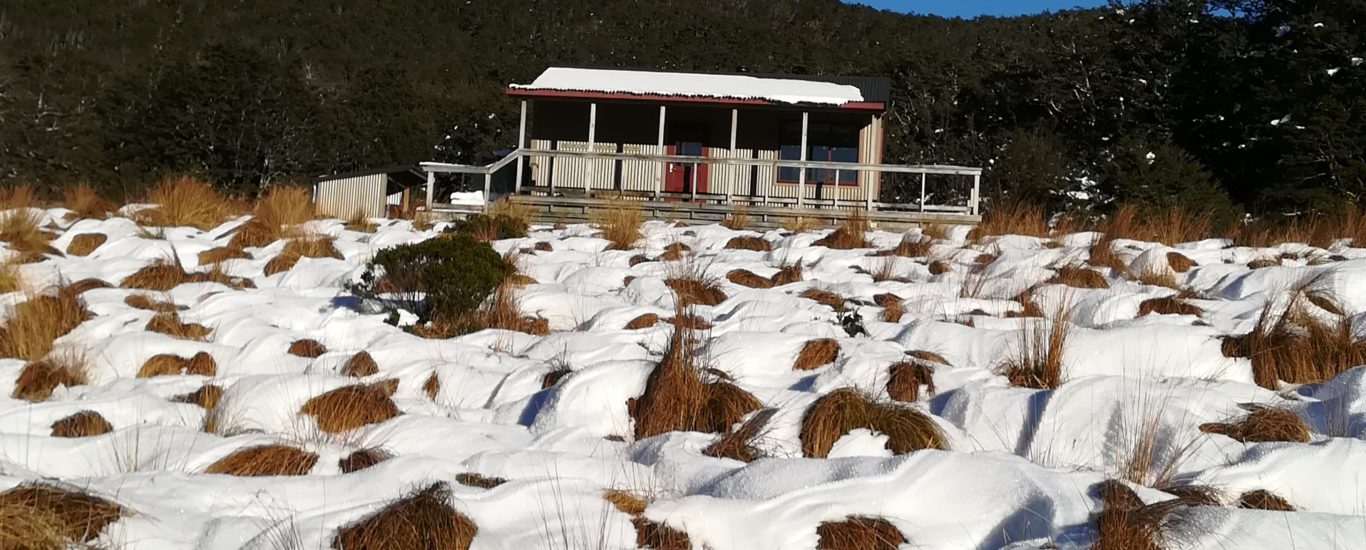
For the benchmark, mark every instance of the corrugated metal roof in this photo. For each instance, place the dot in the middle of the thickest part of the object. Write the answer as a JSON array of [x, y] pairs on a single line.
[[778, 88]]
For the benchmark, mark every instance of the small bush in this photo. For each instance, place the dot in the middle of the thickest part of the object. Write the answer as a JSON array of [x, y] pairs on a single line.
[[447, 277], [265, 460], [186, 201], [422, 519], [841, 411], [350, 407], [489, 227]]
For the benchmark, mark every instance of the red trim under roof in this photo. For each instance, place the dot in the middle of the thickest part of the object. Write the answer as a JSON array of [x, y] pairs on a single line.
[[622, 96]]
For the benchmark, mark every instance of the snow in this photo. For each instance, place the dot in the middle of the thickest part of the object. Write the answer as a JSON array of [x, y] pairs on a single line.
[[700, 85], [1021, 470]]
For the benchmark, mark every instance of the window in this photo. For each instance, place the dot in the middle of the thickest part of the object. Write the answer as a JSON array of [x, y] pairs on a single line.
[[825, 142]]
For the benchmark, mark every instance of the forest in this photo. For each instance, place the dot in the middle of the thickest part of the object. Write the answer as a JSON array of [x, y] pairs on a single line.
[[1233, 106]]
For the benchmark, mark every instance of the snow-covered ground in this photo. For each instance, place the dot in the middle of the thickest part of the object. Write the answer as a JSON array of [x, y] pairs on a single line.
[[1021, 469]]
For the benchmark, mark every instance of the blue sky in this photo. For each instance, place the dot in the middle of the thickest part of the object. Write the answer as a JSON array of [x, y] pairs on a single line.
[[972, 8]]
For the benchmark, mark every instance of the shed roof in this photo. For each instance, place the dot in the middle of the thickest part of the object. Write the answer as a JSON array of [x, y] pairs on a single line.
[[840, 92]]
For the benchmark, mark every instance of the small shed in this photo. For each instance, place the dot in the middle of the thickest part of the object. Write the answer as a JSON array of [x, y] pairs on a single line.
[[375, 193]]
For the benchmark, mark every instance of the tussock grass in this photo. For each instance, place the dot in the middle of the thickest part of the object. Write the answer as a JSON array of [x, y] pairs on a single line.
[[843, 410], [906, 377], [34, 324], [745, 277], [360, 365], [41, 516], [265, 460], [166, 364], [1079, 277], [824, 297], [85, 243], [798, 225], [676, 397], [553, 377], [186, 201], [1262, 423], [20, 228], [738, 218], [313, 246], [749, 242], [421, 519], [306, 347], [86, 203], [1037, 362], [849, 234], [739, 444], [913, 246], [1012, 218], [206, 397], [692, 285], [1168, 305], [619, 223], [360, 221], [221, 254], [432, 386], [10, 279], [937, 267], [816, 354], [1261, 499], [350, 407], [146, 302], [1125, 523], [169, 323], [787, 273], [81, 424], [1179, 262], [893, 308], [161, 275], [1294, 346], [509, 209], [859, 533], [362, 459], [39, 378], [646, 320], [675, 251], [649, 534], [502, 311], [471, 479]]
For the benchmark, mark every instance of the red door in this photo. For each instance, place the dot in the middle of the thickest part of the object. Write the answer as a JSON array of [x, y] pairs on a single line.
[[682, 176]]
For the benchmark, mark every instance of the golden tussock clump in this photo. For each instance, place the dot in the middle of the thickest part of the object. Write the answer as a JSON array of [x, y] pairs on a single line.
[[842, 238], [816, 354], [85, 243], [32, 325], [87, 284], [1261, 499], [787, 273], [166, 364], [302, 247], [913, 246], [649, 534], [360, 365], [940, 267], [553, 377], [362, 459], [39, 378], [81, 424], [206, 397], [739, 444], [1262, 423], [695, 289], [421, 519], [20, 226], [143, 301], [502, 312], [169, 323], [350, 407], [432, 386], [221, 254], [737, 219], [41, 516], [306, 347], [1179, 262], [905, 379], [745, 277], [676, 398], [674, 251], [360, 221], [186, 201], [165, 274], [841, 411], [265, 460], [893, 308], [1012, 218], [823, 296], [859, 533], [1037, 362], [1169, 305], [85, 203], [1079, 277], [646, 320], [10, 278], [619, 223], [1125, 523], [688, 321], [748, 242], [1293, 346], [281, 207], [470, 479]]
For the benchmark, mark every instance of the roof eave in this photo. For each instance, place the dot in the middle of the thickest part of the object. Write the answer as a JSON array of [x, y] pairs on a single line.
[[531, 93]]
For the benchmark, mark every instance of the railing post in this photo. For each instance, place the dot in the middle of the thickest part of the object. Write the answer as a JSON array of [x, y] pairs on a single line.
[[663, 164], [431, 188], [521, 145], [867, 191], [488, 188], [694, 181], [592, 148], [801, 179], [922, 191], [732, 169], [976, 187]]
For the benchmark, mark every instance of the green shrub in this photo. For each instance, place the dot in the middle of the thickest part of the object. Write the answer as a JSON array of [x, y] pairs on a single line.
[[441, 278], [489, 228]]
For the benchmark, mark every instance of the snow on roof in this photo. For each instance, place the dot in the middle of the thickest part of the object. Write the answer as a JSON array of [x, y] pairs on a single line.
[[721, 86]]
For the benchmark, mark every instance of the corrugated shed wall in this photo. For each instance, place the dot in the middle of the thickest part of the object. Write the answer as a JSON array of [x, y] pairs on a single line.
[[342, 198]]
